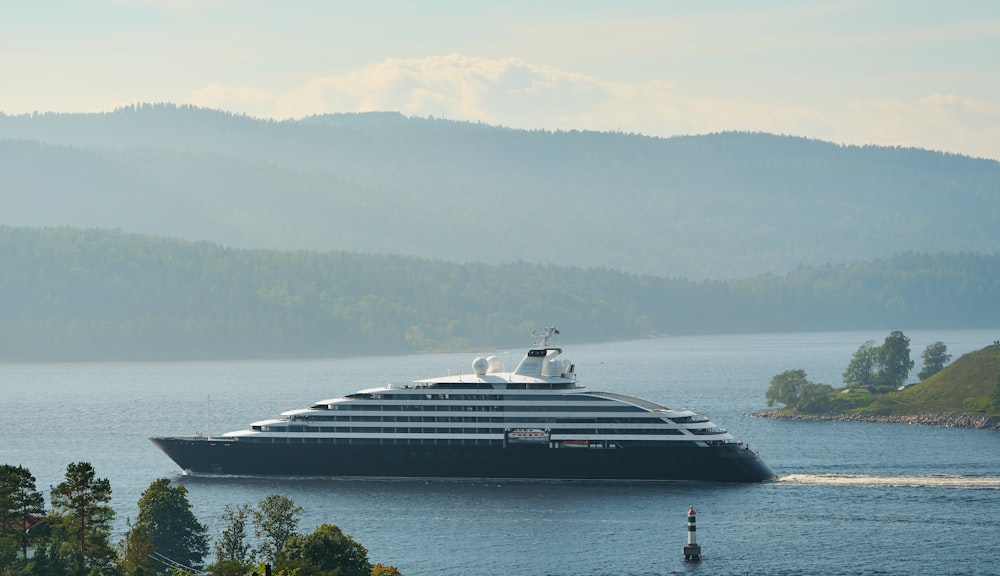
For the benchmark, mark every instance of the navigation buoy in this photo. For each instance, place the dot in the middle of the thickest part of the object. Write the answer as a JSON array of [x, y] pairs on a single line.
[[691, 550]]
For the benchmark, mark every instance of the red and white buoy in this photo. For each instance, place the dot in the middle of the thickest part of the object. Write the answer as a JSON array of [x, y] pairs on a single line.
[[691, 550]]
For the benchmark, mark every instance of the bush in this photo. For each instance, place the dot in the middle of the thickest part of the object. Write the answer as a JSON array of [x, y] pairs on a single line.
[[814, 398], [849, 399]]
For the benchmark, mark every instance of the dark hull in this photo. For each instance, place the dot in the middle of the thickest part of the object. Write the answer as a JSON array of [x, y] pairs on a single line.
[[722, 463]]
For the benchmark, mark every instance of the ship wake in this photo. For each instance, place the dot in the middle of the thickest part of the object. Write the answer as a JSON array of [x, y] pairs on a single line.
[[928, 481]]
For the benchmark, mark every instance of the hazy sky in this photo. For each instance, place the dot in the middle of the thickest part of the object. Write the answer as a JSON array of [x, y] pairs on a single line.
[[895, 72]]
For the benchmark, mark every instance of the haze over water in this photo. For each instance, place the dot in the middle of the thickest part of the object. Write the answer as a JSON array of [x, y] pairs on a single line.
[[853, 498]]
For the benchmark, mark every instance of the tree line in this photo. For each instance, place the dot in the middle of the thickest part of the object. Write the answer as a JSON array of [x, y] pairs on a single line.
[[73, 538], [104, 295]]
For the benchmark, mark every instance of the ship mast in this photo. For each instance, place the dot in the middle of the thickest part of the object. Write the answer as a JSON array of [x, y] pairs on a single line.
[[542, 340]]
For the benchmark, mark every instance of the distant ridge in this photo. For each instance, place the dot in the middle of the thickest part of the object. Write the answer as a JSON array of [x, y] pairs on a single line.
[[72, 294], [720, 206]]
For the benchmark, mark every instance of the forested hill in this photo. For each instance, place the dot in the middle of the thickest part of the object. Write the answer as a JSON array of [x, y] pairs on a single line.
[[104, 295], [718, 206]]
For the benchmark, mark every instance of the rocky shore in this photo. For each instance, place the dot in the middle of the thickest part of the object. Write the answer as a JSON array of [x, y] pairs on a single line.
[[953, 420]]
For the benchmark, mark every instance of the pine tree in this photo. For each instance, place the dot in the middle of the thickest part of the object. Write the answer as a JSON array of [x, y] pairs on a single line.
[[20, 502], [82, 516]]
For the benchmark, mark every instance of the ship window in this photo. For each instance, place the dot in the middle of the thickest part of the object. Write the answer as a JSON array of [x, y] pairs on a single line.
[[707, 431]]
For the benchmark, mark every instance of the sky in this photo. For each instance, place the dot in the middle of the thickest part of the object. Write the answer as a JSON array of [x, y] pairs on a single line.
[[911, 73]]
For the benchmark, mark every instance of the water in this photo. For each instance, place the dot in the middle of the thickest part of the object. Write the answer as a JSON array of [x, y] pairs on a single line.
[[853, 498]]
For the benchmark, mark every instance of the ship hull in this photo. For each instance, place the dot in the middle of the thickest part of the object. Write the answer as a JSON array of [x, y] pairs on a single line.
[[221, 456]]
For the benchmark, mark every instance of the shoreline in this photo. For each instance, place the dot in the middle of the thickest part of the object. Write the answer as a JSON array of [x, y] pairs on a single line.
[[948, 420]]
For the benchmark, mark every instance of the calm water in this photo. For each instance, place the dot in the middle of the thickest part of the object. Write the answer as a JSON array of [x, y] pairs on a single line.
[[853, 499]]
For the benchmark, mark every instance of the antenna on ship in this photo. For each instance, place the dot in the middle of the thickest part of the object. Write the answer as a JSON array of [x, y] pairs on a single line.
[[547, 333]]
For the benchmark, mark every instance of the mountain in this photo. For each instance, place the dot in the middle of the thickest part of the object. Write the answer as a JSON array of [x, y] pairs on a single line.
[[720, 206]]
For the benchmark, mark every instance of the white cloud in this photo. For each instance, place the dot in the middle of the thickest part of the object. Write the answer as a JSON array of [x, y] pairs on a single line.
[[452, 86], [515, 93], [936, 121], [238, 99]]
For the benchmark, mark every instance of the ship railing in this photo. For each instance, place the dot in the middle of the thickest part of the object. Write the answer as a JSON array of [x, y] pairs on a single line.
[[653, 406]]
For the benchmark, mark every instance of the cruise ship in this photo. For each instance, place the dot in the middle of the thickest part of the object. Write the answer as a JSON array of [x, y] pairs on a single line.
[[535, 422]]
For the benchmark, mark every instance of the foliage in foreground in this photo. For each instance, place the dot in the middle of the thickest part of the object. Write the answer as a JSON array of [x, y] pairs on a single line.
[[167, 538], [20, 503], [81, 521]]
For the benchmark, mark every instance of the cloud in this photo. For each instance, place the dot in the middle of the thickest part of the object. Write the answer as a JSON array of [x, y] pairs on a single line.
[[238, 99], [452, 86], [937, 121], [518, 94]]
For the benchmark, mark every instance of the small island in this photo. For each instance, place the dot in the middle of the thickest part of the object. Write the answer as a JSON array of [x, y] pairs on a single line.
[[965, 393]]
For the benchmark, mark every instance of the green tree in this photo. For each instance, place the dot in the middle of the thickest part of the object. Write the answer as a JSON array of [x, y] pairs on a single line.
[[82, 517], [135, 551], [9, 528], [231, 546], [935, 358], [165, 514], [785, 387], [45, 561], [275, 520], [860, 372], [384, 570], [328, 551], [20, 502], [814, 398], [229, 568], [8, 553], [893, 361]]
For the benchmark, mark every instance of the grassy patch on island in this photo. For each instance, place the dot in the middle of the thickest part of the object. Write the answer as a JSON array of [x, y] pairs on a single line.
[[968, 385]]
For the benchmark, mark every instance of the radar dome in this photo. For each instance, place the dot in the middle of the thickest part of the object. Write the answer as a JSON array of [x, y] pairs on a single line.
[[555, 367], [495, 364], [480, 365]]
